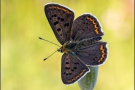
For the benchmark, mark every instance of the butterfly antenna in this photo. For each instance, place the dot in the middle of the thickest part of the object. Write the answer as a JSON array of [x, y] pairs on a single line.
[[50, 55], [48, 41]]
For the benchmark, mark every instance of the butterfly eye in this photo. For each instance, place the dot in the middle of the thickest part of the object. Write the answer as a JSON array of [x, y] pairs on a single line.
[[60, 50]]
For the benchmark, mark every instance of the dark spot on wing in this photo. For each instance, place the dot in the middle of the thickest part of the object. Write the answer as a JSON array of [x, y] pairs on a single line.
[[58, 29], [67, 67], [75, 67], [58, 18], [62, 19], [67, 62], [66, 24], [55, 23]]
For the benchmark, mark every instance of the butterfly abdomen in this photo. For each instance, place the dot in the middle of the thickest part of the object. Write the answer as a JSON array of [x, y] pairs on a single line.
[[71, 46], [87, 42]]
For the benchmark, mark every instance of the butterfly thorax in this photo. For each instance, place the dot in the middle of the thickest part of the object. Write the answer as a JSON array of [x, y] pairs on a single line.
[[68, 47], [73, 46]]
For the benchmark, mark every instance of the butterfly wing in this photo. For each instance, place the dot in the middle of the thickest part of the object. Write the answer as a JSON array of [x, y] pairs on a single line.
[[72, 69], [94, 54], [85, 26], [60, 19]]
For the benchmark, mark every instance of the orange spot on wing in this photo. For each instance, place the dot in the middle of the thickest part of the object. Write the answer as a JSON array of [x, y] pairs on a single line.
[[95, 25], [78, 76], [60, 8], [103, 53], [97, 31]]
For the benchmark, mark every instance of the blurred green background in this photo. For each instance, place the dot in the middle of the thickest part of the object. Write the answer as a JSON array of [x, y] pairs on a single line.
[[23, 21]]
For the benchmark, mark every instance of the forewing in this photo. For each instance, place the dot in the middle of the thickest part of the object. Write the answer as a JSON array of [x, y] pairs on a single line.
[[94, 54], [60, 19], [85, 26], [72, 69]]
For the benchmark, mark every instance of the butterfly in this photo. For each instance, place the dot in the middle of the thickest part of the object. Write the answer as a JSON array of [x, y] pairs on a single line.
[[80, 40]]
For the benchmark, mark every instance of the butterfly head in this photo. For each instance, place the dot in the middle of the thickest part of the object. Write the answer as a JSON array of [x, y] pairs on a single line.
[[67, 47]]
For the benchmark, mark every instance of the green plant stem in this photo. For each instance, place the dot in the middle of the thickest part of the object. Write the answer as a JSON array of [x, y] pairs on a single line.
[[88, 82]]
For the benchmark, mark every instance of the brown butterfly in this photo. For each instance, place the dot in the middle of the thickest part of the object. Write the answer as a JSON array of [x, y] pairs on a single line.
[[80, 40]]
